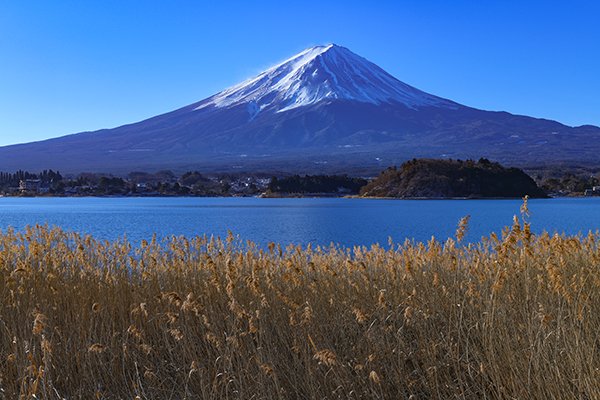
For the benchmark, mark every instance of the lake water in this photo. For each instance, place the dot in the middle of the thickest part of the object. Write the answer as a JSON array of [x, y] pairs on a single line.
[[301, 221]]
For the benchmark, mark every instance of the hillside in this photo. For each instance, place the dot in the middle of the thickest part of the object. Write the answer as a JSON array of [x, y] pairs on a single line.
[[428, 178]]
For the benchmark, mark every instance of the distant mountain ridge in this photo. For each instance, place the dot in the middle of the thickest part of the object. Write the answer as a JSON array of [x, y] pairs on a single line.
[[325, 109]]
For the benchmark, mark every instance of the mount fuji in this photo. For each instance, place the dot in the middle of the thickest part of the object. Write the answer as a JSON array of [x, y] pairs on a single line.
[[324, 109]]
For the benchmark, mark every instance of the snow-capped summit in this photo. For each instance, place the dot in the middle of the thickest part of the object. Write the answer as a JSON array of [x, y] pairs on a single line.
[[318, 74]]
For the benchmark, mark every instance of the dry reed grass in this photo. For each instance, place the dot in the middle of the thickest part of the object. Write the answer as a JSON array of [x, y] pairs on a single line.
[[513, 316]]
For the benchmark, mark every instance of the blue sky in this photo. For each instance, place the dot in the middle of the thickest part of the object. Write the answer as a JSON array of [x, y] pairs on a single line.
[[70, 66]]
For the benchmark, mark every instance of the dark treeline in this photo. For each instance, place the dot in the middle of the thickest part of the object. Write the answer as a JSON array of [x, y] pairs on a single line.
[[415, 178], [13, 179], [570, 183], [341, 184], [161, 183], [565, 179]]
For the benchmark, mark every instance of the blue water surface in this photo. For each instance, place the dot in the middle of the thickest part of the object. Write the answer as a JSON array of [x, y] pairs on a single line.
[[319, 221]]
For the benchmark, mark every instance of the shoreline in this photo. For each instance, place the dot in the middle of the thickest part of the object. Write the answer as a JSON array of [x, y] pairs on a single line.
[[310, 196]]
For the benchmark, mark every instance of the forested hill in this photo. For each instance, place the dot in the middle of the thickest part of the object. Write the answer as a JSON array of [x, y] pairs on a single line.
[[428, 178]]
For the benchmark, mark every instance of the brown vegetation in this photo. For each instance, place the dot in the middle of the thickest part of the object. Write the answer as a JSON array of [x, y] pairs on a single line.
[[514, 316]]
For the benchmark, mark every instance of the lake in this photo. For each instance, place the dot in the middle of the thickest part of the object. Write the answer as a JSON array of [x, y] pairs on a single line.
[[300, 221]]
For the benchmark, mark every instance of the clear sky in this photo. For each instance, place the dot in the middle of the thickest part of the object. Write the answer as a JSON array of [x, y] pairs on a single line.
[[68, 66]]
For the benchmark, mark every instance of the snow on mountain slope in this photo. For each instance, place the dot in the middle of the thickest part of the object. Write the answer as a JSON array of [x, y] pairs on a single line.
[[317, 74]]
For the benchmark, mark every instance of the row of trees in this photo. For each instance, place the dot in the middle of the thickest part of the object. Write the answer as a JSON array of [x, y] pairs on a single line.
[[438, 172], [317, 184], [161, 183], [46, 177]]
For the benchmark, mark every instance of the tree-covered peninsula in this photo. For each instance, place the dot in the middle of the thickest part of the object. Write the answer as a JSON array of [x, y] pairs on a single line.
[[428, 178]]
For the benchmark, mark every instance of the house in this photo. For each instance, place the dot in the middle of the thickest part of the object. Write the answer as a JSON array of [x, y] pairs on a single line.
[[594, 191], [30, 185]]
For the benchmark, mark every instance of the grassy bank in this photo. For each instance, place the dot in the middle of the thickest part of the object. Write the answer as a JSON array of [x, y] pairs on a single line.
[[515, 316]]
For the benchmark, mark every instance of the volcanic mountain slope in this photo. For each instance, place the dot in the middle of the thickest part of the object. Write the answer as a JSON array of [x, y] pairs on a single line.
[[325, 108]]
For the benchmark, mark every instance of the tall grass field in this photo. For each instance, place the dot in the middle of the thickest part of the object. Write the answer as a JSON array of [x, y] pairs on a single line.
[[514, 316]]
